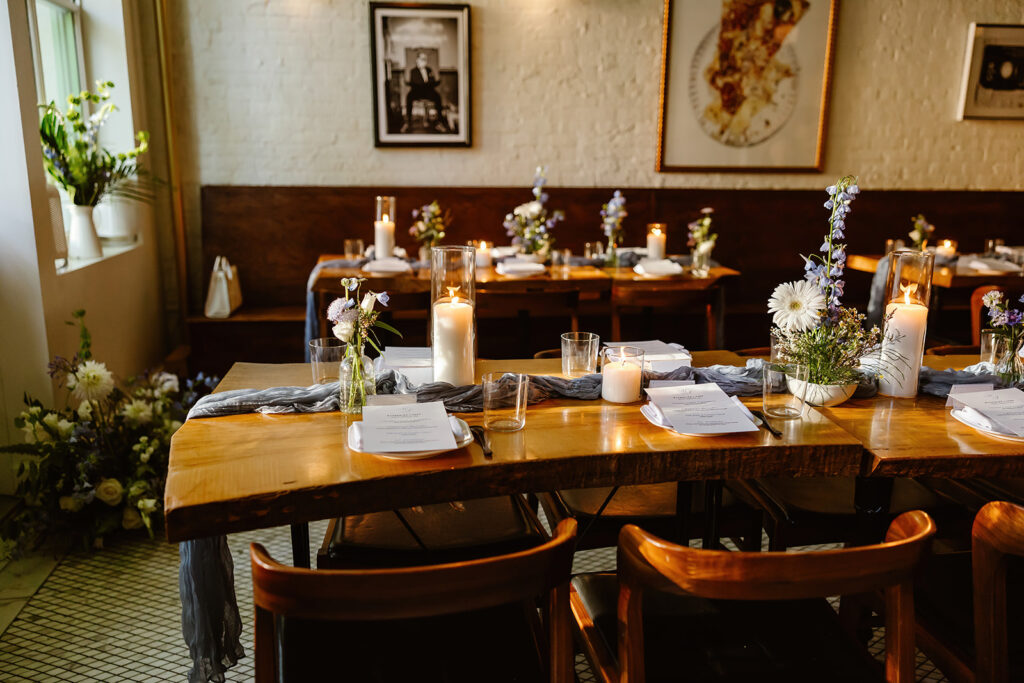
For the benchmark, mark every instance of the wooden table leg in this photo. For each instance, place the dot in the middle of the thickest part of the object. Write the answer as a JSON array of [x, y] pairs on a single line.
[[712, 506], [871, 497], [684, 505], [300, 545]]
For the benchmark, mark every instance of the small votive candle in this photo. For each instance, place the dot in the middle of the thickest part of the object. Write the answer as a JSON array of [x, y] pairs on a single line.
[[946, 249], [622, 374], [656, 241], [483, 255]]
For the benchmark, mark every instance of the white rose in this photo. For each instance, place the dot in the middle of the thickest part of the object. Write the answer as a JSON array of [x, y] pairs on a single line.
[[344, 330], [368, 301], [85, 411], [51, 420], [131, 519], [65, 428], [70, 503], [533, 209], [110, 491]]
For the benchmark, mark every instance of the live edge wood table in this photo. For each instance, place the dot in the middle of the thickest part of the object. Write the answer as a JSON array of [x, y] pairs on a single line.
[[254, 471], [618, 288]]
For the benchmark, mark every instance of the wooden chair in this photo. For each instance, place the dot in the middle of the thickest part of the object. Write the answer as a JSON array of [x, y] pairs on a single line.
[[395, 624], [747, 616], [977, 309], [998, 533]]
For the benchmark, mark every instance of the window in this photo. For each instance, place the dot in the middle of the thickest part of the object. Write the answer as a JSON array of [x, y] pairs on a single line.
[[57, 42]]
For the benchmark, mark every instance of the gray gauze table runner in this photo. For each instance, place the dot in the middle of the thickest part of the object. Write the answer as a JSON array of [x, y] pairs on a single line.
[[210, 621]]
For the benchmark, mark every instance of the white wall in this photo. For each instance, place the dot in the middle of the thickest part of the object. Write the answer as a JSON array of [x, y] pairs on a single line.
[[278, 93]]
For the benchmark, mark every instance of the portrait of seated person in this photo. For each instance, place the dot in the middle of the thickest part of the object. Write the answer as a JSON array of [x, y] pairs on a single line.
[[423, 86]]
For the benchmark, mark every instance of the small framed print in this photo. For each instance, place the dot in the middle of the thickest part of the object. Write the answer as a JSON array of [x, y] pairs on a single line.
[[420, 59], [993, 78], [744, 86]]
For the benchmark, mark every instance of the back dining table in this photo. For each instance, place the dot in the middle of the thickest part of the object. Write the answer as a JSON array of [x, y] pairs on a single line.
[[252, 471]]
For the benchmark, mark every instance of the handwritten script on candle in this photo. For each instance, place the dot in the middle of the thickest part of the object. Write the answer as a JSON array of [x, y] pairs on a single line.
[[700, 409], [403, 428]]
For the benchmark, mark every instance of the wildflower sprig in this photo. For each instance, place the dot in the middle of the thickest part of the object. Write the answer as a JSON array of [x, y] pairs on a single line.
[[355, 320], [826, 270], [612, 214], [529, 225], [1007, 323], [73, 158], [699, 231], [922, 231], [430, 224]]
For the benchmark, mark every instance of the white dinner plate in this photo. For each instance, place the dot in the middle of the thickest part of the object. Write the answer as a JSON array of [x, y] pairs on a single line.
[[465, 440], [652, 417], [987, 432]]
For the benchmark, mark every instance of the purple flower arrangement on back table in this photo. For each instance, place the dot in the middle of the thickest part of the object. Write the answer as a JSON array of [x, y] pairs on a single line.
[[529, 224], [1007, 324], [612, 214]]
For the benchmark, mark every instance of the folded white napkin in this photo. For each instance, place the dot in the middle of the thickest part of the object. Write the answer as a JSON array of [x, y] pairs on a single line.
[[387, 265], [501, 252], [662, 267], [977, 419], [355, 433], [517, 267], [656, 417]]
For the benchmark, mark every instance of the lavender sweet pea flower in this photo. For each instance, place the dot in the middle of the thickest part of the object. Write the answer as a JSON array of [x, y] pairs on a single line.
[[831, 189], [383, 298], [1013, 317], [830, 204]]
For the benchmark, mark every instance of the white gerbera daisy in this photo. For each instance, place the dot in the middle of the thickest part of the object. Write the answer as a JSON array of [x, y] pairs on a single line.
[[91, 382], [796, 306]]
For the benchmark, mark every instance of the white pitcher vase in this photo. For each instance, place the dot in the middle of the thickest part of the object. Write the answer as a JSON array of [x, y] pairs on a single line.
[[83, 242]]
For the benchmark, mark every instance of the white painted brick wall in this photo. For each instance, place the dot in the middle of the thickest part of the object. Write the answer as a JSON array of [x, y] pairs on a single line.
[[278, 92]]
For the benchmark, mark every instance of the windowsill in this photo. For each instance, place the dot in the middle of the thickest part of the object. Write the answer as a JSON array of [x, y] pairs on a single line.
[[65, 266]]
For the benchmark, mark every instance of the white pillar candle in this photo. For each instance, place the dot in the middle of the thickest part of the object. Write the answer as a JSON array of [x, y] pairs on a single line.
[[483, 255], [902, 349], [656, 244], [620, 382], [383, 237], [452, 342]]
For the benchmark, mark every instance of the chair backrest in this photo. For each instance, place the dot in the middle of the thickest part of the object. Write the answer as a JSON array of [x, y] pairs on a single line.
[[998, 531], [977, 310], [410, 592], [646, 561]]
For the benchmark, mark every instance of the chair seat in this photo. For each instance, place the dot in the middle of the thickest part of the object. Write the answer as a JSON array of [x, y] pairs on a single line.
[[494, 644], [693, 639], [447, 532]]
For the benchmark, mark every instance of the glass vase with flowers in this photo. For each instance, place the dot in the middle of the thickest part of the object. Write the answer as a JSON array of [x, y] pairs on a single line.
[[701, 241], [429, 227], [1008, 332], [612, 214], [529, 225]]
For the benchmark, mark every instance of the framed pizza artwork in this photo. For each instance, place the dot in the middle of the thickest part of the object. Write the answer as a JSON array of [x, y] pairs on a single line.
[[744, 84]]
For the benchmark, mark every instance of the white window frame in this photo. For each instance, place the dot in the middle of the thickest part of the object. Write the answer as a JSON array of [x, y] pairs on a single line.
[[75, 7]]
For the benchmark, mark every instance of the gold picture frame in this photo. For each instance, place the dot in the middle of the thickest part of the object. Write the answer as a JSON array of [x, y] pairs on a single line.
[[707, 118]]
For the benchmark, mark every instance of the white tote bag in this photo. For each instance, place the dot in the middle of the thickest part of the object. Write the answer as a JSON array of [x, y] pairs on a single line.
[[225, 294]]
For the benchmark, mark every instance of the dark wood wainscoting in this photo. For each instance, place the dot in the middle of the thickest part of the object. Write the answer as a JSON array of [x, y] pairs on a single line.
[[275, 234]]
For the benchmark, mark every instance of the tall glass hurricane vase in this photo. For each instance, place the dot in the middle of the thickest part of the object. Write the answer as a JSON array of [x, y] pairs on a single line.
[[453, 314], [908, 291], [356, 380], [1009, 365]]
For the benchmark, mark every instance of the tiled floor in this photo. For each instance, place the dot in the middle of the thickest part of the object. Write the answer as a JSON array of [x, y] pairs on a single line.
[[115, 616]]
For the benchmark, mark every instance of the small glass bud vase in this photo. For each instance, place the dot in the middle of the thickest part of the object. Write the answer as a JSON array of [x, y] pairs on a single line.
[[453, 314], [1009, 366], [356, 380], [907, 294], [700, 259]]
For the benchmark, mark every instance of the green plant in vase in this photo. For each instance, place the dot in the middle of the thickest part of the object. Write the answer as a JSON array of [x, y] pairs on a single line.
[[1006, 326], [354, 321]]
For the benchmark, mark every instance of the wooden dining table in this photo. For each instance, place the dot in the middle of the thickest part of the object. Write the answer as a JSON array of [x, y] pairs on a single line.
[[611, 290], [942, 276], [253, 471]]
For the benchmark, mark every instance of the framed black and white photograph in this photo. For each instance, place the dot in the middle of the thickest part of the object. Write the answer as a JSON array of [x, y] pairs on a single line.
[[744, 86], [993, 78], [420, 56]]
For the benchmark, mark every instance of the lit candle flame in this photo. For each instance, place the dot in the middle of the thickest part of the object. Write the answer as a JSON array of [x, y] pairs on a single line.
[[907, 290], [947, 243], [384, 218], [452, 293], [656, 231]]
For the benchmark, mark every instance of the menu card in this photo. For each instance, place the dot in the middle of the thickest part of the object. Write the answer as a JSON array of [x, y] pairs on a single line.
[[957, 389], [1004, 407], [403, 428], [700, 409]]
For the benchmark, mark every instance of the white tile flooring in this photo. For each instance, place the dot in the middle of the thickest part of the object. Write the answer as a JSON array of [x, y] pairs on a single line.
[[114, 615]]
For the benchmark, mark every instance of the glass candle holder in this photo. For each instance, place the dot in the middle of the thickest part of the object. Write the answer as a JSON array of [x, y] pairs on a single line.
[[622, 374], [453, 314], [907, 293], [656, 240], [946, 249], [384, 227]]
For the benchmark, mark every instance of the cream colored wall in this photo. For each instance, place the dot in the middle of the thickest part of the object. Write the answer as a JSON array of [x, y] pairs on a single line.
[[278, 93]]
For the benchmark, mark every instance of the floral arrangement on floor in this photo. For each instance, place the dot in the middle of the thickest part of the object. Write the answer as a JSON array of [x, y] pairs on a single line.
[[612, 214], [355, 321], [430, 224], [529, 224], [72, 155], [1007, 324], [99, 464], [922, 232], [811, 327]]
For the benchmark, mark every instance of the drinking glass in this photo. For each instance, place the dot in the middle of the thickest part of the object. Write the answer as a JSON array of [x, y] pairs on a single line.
[[988, 346], [326, 354], [593, 250], [505, 395], [350, 249], [579, 353], [784, 386]]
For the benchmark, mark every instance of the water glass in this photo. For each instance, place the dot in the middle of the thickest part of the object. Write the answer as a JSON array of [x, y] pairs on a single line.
[[353, 249], [989, 346], [326, 354], [505, 395], [579, 353], [593, 250], [784, 386]]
